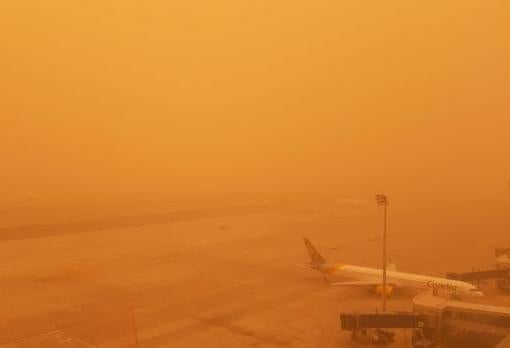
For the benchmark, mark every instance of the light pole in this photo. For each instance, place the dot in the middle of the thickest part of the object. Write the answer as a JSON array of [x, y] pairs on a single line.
[[383, 201]]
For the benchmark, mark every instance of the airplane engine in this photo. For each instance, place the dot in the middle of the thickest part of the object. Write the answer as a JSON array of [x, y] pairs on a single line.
[[388, 290]]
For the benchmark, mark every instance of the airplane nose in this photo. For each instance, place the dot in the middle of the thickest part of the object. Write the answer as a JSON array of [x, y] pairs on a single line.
[[479, 294]]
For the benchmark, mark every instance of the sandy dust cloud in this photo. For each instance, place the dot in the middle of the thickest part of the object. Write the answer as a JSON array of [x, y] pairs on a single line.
[[114, 109]]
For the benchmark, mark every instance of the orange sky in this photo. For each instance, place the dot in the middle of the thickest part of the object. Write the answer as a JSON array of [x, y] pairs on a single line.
[[188, 98]]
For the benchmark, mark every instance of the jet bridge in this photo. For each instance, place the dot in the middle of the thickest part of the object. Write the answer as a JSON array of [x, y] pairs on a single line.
[[489, 324], [500, 275], [363, 321], [373, 326], [439, 322]]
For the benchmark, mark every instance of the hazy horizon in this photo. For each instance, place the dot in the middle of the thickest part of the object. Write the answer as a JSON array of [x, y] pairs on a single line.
[[158, 102]]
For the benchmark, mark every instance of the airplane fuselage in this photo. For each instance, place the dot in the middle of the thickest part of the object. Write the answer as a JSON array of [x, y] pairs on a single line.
[[402, 279]]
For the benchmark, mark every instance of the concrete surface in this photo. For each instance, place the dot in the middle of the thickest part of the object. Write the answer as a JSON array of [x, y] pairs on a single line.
[[228, 281]]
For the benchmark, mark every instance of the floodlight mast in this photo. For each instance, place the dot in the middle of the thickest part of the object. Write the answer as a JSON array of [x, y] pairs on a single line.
[[382, 200]]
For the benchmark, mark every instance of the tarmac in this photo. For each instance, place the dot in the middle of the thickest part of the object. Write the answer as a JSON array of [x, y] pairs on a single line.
[[230, 279]]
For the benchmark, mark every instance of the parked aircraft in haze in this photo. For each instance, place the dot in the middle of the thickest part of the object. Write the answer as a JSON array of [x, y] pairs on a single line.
[[372, 277]]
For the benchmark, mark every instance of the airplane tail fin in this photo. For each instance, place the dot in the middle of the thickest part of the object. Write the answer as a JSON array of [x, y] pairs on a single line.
[[315, 256]]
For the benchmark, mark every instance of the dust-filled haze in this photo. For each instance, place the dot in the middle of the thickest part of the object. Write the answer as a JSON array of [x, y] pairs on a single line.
[[161, 161], [158, 101]]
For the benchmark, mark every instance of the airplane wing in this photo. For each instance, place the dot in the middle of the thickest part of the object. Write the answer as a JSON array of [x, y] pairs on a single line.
[[361, 283], [355, 283]]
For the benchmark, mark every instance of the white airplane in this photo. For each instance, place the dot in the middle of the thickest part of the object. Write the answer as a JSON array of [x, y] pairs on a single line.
[[372, 277]]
